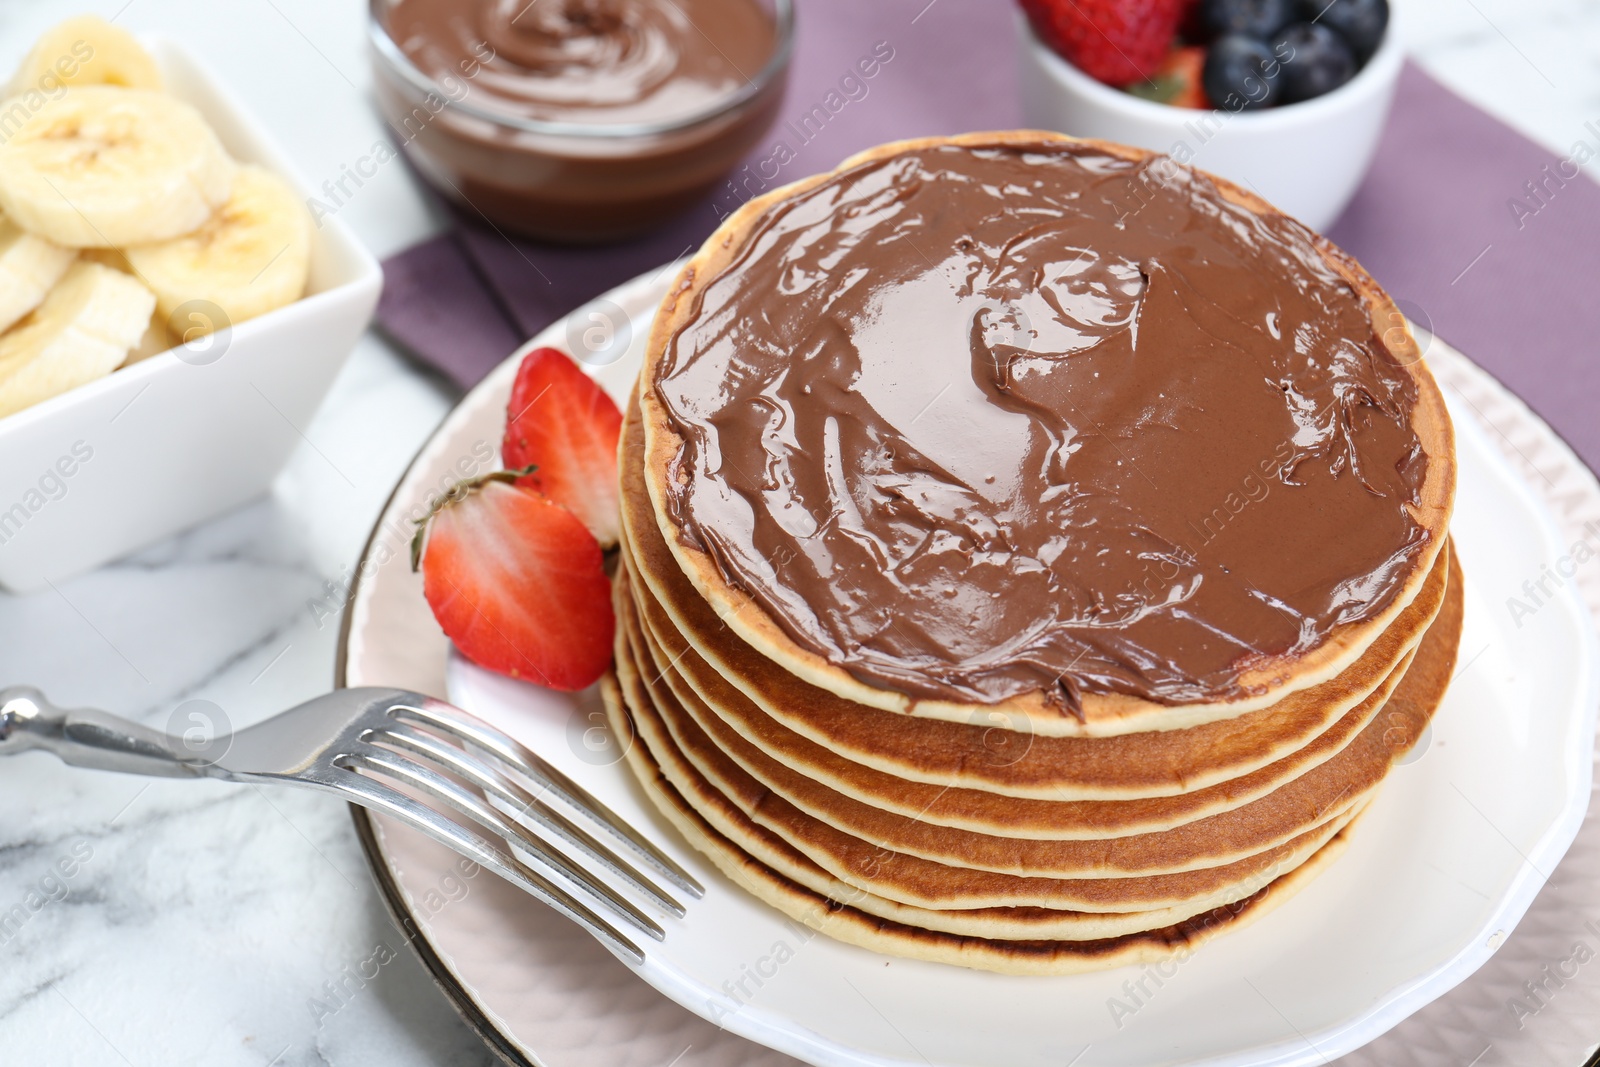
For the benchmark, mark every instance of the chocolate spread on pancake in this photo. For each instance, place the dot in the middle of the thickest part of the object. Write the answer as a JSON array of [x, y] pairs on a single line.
[[977, 422]]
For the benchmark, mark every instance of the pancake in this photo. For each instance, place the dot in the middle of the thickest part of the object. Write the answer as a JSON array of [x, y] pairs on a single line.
[[794, 778], [713, 783], [1051, 680], [886, 928], [1005, 923], [759, 783], [1262, 680], [781, 758], [986, 753]]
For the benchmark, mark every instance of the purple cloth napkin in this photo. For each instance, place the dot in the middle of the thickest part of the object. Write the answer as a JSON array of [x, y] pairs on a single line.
[[1437, 221], [1494, 243]]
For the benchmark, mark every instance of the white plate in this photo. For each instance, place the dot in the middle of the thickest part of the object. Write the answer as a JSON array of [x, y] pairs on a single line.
[[1444, 865]]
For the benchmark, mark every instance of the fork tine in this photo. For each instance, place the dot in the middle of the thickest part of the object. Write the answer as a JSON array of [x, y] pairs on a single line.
[[379, 797], [527, 805], [464, 727], [442, 789]]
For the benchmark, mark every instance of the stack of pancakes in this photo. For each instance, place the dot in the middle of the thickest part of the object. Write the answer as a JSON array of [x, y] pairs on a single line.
[[1161, 785]]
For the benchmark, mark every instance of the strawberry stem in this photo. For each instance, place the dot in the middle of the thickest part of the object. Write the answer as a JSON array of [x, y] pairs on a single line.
[[457, 492]]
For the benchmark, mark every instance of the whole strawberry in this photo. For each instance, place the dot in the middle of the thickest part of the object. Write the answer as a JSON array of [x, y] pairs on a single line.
[[1118, 42]]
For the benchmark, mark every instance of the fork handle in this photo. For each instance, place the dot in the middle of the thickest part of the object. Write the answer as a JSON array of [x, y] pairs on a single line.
[[85, 737]]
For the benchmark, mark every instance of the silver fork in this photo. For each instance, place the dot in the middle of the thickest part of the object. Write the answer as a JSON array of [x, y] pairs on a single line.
[[360, 744]]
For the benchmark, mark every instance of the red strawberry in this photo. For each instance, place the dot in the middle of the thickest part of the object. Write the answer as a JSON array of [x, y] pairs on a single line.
[[517, 582], [1118, 42], [564, 425], [1178, 80], [1184, 67]]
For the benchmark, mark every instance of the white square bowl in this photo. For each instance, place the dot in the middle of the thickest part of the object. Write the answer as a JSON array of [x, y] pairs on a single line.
[[109, 467]]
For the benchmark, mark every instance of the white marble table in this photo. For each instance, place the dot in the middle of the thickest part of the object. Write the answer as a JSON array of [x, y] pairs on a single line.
[[206, 924]]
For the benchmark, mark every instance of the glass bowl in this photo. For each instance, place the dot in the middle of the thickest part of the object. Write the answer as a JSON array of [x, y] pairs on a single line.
[[567, 181]]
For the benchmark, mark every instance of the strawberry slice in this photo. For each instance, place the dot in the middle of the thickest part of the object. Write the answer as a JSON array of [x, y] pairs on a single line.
[[565, 426], [517, 582]]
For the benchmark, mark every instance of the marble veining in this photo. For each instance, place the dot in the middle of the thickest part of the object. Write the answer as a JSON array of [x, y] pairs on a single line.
[[175, 923]]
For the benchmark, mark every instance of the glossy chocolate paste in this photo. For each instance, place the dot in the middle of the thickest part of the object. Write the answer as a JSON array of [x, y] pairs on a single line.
[[972, 423], [656, 101], [606, 62]]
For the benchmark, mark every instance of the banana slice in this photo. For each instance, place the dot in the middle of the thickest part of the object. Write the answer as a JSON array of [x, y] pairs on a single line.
[[81, 332], [107, 257], [103, 167], [156, 340], [253, 256], [29, 267], [86, 50]]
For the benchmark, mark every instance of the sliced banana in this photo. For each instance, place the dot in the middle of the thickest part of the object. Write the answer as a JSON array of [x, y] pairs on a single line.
[[29, 267], [81, 332], [156, 340], [253, 256], [104, 167], [86, 50], [108, 257]]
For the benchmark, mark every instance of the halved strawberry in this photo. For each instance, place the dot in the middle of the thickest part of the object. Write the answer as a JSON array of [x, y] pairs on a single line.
[[565, 426], [517, 582]]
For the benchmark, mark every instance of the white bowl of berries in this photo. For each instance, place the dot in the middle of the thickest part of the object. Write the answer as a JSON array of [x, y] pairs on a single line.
[[1285, 97]]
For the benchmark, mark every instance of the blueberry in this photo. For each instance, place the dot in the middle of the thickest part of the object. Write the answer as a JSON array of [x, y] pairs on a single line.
[[1315, 61], [1242, 74], [1360, 22], [1253, 18]]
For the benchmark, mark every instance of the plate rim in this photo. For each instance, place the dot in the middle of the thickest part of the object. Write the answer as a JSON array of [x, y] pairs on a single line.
[[1399, 1003], [454, 990]]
